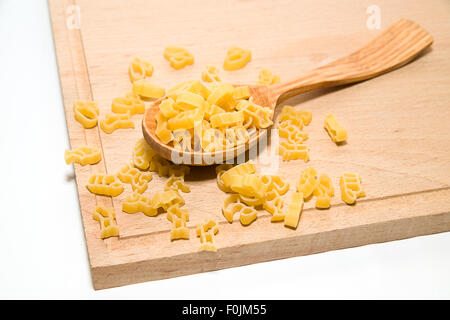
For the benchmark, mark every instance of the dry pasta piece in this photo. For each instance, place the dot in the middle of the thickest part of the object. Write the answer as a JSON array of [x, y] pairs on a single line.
[[130, 104], [178, 217], [150, 206], [147, 89], [351, 188], [248, 185], [138, 180], [211, 74], [104, 184], [266, 77], [227, 119], [241, 93], [336, 131], [86, 113], [324, 191], [206, 232], [274, 204], [293, 151], [139, 69], [83, 155], [292, 216], [241, 169], [236, 58], [289, 113], [142, 154], [261, 116], [178, 57], [188, 101], [220, 170], [113, 121], [166, 107], [186, 120], [291, 132], [222, 96], [177, 183], [106, 218], [307, 182], [162, 132], [212, 109]]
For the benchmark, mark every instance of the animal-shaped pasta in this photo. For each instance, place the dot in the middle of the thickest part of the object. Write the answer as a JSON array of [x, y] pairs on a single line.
[[177, 183], [178, 57], [138, 180], [293, 151], [232, 205], [266, 77], [289, 113], [162, 132], [351, 188], [307, 182], [142, 154], [291, 132], [236, 58], [113, 121], [147, 89], [260, 116], [106, 218], [211, 74], [139, 69], [104, 184], [86, 113], [178, 217], [130, 104], [206, 232], [241, 93], [335, 130], [83, 155], [324, 191], [292, 216], [150, 206]]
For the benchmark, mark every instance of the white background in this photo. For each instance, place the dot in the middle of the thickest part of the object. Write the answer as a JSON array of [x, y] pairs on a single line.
[[42, 248]]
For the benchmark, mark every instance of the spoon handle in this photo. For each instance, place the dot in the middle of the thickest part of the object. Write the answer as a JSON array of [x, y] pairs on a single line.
[[396, 46]]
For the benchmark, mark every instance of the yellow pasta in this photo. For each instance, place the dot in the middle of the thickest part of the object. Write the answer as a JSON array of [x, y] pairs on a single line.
[[187, 101], [162, 132], [241, 93], [227, 119], [324, 191], [336, 131], [236, 58], [293, 151], [206, 232], [147, 89], [222, 96], [138, 180], [142, 154], [86, 113], [266, 77], [104, 184], [167, 108], [83, 155], [113, 121], [177, 183], [289, 113], [274, 204], [178, 217], [307, 182], [139, 69], [178, 57], [240, 170], [261, 116], [186, 120], [150, 206], [292, 216], [291, 132], [211, 74], [351, 188], [106, 218], [248, 185], [130, 104], [220, 170]]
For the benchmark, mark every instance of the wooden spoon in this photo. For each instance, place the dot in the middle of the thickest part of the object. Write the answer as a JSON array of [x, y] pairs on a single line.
[[396, 46]]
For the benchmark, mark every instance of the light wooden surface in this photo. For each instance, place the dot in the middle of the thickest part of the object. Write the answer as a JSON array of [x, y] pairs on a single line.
[[399, 140], [399, 44]]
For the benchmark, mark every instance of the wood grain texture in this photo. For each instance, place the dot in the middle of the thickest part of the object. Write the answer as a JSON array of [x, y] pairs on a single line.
[[399, 140]]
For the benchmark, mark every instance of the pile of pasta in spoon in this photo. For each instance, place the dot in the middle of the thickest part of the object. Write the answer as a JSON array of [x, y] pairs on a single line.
[[195, 116]]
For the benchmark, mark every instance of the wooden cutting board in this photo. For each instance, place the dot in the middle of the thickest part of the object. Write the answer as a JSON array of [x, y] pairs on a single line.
[[398, 124]]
